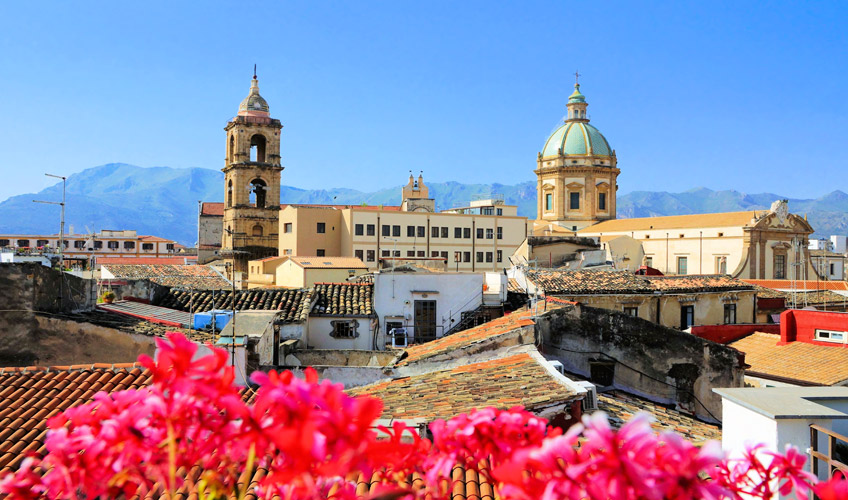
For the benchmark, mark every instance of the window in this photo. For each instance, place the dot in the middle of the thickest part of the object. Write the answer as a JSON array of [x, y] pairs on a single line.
[[500, 233], [385, 253], [5, 243], [410, 253], [421, 253], [359, 254], [466, 256], [434, 232], [144, 246], [396, 253], [832, 269], [81, 244], [490, 233], [574, 201], [500, 211], [258, 188], [387, 230], [343, 329], [632, 311], [649, 261], [549, 202], [257, 148], [370, 230], [98, 244], [42, 243], [480, 233], [230, 194], [779, 267], [422, 232], [257, 230], [687, 316], [287, 251], [602, 372], [682, 264], [444, 255], [488, 256], [396, 231], [410, 231], [320, 252], [369, 255], [129, 245], [730, 314], [466, 233], [457, 232], [488, 211], [831, 336], [444, 231], [169, 247], [720, 235], [23, 243], [500, 256], [322, 228], [434, 253], [479, 256], [721, 265], [358, 229], [602, 201]]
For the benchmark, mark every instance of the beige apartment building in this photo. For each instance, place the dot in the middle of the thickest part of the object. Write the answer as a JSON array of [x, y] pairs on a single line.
[[106, 243], [759, 244], [478, 237]]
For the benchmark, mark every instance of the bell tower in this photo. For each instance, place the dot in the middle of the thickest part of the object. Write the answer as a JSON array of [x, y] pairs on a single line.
[[252, 182]]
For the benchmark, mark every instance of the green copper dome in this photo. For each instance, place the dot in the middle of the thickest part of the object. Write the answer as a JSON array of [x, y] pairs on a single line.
[[577, 138], [254, 102]]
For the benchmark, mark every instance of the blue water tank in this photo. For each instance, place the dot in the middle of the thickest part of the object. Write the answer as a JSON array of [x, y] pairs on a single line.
[[203, 320]]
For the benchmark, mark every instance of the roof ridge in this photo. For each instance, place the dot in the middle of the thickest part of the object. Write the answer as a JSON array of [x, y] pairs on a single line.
[[6, 370]]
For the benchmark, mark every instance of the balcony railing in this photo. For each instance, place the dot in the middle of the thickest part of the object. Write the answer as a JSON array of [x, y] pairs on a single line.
[[833, 455]]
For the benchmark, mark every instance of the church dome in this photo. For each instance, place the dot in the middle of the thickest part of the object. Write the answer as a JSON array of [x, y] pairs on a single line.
[[577, 138], [254, 102]]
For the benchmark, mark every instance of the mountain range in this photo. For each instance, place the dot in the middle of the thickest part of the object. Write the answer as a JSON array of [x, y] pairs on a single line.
[[163, 201]]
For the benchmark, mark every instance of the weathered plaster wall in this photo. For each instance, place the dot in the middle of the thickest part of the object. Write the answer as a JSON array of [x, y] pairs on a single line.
[[33, 287], [30, 339], [661, 364]]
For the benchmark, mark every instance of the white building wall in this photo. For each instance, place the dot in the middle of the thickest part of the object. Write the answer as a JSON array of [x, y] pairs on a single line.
[[395, 295], [319, 329]]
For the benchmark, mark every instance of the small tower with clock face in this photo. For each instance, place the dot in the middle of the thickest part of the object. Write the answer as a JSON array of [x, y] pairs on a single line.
[[252, 182]]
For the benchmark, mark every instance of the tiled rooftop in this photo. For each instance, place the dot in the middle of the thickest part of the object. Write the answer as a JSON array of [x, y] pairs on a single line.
[[465, 338], [133, 325], [596, 282], [193, 276], [621, 407], [343, 299], [725, 219], [513, 286], [29, 396], [502, 382], [293, 302], [328, 262], [801, 284], [177, 261], [799, 361]]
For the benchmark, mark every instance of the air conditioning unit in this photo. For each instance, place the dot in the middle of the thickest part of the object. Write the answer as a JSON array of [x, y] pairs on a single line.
[[398, 337], [590, 402]]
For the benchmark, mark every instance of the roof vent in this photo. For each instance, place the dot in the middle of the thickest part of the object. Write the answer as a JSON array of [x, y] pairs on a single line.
[[590, 401]]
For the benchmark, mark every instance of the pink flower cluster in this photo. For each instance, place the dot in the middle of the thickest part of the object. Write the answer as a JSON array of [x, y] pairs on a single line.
[[191, 429]]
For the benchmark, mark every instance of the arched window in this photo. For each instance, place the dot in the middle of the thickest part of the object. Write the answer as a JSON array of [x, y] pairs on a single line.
[[257, 148], [257, 193], [232, 148], [230, 194], [257, 230]]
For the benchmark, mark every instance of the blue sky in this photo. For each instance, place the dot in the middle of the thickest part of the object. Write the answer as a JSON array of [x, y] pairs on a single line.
[[728, 95]]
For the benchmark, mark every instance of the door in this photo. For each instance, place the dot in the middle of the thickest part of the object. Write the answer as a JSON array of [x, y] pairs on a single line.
[[687, 316], [425, 320]]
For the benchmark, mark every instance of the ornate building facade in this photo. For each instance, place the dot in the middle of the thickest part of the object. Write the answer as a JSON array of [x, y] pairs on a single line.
[[577, 172], [252, 182]]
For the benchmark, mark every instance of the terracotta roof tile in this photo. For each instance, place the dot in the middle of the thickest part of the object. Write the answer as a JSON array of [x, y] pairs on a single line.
[[502, 382], [175, 261], [31, 395], [621, 407], [344, 299], [800, 284], [583, 282], [799, 361], [465, 338], [192, 276]]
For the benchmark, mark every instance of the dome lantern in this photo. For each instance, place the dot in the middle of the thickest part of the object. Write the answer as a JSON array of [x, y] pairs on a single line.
[[254, 104]]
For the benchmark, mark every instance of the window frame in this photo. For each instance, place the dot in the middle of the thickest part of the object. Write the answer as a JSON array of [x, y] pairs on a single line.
[[321, 228]]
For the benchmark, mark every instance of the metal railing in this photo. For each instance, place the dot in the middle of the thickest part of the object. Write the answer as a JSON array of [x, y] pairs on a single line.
[[834, 451]]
